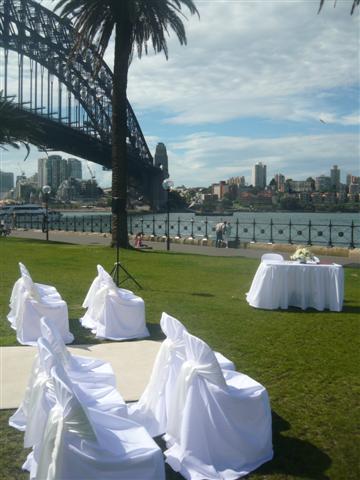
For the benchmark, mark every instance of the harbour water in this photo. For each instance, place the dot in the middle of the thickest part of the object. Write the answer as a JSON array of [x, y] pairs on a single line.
[[338, 229]]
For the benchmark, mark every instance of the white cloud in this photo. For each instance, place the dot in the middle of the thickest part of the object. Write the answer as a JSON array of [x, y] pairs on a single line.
[[206, 158], [276, 61]]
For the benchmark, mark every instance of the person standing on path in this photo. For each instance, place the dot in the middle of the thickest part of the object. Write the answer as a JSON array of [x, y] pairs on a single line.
[[227, 234], [219, 230]]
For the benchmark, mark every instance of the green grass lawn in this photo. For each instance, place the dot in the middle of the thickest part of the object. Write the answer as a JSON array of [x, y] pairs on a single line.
[[308, 361]]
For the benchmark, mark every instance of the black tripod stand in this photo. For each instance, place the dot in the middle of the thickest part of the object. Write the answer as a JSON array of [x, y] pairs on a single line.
[[115, 272]]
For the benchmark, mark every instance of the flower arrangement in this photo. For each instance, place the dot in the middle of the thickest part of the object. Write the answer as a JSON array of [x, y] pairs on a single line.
[[302, 255]]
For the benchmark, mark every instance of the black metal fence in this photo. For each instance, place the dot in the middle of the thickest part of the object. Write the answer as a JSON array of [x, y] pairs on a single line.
[[308, 232]]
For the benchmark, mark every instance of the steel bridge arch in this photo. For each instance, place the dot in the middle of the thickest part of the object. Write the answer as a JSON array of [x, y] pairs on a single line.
[[33, 31]]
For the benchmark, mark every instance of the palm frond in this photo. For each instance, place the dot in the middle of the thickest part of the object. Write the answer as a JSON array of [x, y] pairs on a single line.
[[355, 4]]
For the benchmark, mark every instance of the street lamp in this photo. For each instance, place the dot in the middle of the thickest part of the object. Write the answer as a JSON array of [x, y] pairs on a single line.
[[166, 185], [46, 189]]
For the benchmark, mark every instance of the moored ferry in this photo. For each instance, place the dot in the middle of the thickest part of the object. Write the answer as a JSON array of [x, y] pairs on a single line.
[[28, 209]]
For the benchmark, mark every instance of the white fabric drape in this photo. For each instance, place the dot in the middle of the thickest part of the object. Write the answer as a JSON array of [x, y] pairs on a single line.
[[280, 285], [216, 429], [151, 410], [112, 312], [92, 368], [83, 443], [29, 302]]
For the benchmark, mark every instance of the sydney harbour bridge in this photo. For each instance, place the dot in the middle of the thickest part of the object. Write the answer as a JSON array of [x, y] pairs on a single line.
[[60, 93]]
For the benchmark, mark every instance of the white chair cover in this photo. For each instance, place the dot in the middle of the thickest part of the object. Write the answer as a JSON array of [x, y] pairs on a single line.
[[266, 257], [113, 313], [151, 410], [28, 303], [216, 429], [82, 443], [30, 415], [25, 283], [96, 369]]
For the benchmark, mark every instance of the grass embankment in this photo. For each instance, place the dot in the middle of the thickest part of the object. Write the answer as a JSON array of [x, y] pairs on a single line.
[[307, 360]]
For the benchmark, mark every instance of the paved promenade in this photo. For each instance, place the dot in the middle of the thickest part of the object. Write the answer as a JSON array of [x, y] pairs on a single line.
[[105, 239]]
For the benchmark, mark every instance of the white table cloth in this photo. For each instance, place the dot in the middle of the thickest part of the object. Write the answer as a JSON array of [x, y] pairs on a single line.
[[283, 284]]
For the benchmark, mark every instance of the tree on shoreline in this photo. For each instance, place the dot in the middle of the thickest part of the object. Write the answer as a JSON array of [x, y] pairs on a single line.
[[136, 23]]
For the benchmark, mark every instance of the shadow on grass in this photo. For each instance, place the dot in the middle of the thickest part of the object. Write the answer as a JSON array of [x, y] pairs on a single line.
[[292, 457], [155, 332]]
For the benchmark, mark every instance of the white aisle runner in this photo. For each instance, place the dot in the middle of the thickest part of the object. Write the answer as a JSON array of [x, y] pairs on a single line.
[[131, 361]]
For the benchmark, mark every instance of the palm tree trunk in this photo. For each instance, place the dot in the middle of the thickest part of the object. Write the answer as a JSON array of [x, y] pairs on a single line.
[[119, 134]]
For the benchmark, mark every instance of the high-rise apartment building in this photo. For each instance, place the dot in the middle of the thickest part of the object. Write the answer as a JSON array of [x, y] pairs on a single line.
[[161, 159], [335, 178], [42, 172], [74, 168], [258, 178], [280, 181], [6, 181], [54, 170]]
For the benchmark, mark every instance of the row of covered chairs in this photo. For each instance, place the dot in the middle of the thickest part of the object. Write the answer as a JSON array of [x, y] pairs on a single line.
[[216, 422], [76, 422], [112, 312]]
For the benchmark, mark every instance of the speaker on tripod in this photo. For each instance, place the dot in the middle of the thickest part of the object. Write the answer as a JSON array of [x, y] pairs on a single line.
[[115, 272]]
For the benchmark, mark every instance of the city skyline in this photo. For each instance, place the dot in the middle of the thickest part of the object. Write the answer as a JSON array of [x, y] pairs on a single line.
[[281, 92]]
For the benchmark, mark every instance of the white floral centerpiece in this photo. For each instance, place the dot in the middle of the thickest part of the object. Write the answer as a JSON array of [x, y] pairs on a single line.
[[303, 255]]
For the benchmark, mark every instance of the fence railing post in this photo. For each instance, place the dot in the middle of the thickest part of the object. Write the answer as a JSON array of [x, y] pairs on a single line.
[[66, 223], [83, 223], [237, 238], [31, 221], [92, 224], [309, 237], [192, 228], [100, 227], [253, 237], [352, 244], [178, 228], [290, 239], [206, 228], [271, 231], [110, 224], [153, 223], [330, 239], [131, 226], [74, 223], [142, 225]]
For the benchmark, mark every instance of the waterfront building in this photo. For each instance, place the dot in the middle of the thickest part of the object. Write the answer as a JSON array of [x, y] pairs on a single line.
[[335, 178], [6, 182], [220, 189], [239, 181], [322, 183], [258, 178], [280, 182], [74, 168], [42, 172], [301, 185]]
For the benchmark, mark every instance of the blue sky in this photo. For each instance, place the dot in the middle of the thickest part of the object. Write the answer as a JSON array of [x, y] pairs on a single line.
[[251, 85]]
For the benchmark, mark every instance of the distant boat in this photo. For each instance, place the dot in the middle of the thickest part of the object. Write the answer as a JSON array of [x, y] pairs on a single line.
[[30, 209], [214, 214]]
